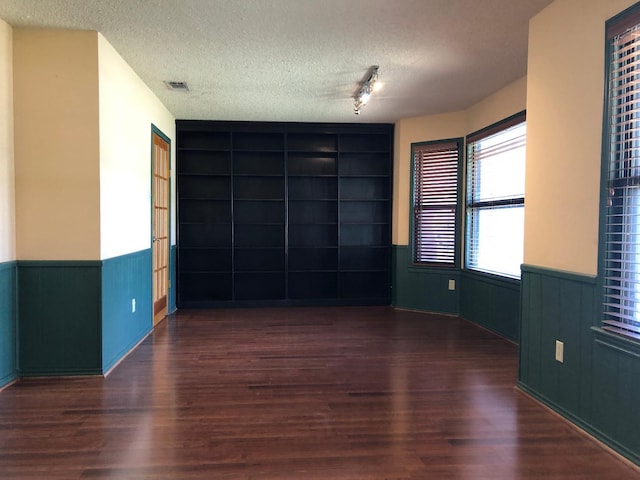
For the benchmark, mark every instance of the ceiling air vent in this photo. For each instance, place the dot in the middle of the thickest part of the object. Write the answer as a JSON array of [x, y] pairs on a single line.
[[177, 86]]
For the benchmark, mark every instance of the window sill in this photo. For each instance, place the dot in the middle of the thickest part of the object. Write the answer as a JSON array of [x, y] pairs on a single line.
[[616, 341], [444, 269], [493, 278]]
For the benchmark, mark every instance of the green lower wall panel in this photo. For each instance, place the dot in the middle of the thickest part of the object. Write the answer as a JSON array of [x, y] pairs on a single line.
[[596, 386], [58, 318], [172, 279], [76, 317], [8, 295], [492, 302], [423, 288], [125, 279]]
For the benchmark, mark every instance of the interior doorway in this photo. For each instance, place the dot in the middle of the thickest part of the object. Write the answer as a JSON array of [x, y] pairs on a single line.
[[160, 160]]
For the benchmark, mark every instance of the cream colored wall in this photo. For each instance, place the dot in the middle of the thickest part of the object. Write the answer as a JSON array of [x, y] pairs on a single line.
[[56, 144], [127, 110], [7, 189], [502, 104], [565, 100]]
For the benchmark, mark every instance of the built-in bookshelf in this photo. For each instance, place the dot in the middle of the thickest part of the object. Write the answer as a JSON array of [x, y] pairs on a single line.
[[365, 203], [312, 179], [205, 212], [283, 213]]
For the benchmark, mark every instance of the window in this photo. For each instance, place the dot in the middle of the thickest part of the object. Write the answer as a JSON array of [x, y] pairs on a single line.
[[495, 198], [436, 167], [621, 174]]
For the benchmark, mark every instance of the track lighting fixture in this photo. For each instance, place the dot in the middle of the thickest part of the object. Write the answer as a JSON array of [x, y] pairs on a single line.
[[362, 97]]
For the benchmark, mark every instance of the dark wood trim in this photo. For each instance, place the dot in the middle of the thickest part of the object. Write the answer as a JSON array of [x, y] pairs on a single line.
[[514, 119]]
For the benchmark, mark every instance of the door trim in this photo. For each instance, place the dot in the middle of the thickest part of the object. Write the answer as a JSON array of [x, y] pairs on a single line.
[[155, 130]]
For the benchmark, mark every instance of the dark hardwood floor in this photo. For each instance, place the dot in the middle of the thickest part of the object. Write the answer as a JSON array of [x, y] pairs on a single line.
[[300, 393]]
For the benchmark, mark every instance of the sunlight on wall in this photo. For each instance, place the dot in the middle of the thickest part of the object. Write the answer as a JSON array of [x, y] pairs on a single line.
[[127, 110], [7, 187]]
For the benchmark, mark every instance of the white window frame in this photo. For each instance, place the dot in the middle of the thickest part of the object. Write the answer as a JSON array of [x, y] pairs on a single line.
[[494, 200]]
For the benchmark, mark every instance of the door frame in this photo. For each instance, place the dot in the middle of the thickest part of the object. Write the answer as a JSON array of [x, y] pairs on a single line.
[[161, 134]]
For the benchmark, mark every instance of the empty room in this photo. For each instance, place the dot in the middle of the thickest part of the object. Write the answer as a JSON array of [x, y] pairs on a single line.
[[293, 239]]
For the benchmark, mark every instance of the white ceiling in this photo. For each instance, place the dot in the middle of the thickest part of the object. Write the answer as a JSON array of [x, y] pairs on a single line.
[[301, 60]]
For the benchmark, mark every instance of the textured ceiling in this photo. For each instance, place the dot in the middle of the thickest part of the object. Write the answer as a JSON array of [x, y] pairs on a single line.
[[301, 60]]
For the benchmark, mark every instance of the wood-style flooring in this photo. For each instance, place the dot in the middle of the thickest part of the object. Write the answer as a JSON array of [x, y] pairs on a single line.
[[298, 394]]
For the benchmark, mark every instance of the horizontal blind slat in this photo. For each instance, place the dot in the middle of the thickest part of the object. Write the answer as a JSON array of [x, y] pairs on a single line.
[[621, 297], [435, 201]]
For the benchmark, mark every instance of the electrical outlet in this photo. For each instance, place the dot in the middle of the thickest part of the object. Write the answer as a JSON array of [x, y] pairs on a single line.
[[133, 305], [559, 351], [452, 284]]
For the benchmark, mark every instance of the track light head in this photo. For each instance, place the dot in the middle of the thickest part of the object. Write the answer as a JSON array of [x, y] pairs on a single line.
[[367, 87]]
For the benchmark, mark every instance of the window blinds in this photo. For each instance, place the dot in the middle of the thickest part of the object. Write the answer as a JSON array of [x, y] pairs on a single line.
[[622, 239], [495, 198], [435, 202]]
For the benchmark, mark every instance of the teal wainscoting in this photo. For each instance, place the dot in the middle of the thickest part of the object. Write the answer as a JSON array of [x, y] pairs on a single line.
[[596, 386], [58, 318], [125, 279], [8, 319], [172, 279], [423, 288], [491, 302]]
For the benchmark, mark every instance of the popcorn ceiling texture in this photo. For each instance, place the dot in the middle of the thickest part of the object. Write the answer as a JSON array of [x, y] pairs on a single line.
[[301, 60]]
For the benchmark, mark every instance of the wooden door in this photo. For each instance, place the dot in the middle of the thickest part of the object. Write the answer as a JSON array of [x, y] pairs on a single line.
[[160, 226]]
